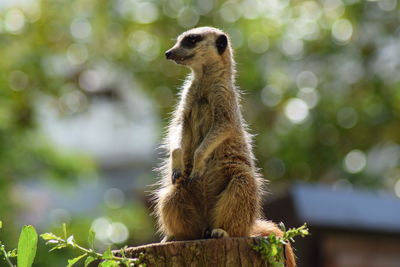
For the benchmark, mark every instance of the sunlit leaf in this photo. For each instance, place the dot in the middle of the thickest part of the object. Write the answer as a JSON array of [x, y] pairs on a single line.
[[75, 260], [91, 237], [107, 254], [89, 260], [59, 246], [49, 236], [109, 263], [27, 246], [64, 226], [282, 226], [53, 241], [13, 253], [71, 240]]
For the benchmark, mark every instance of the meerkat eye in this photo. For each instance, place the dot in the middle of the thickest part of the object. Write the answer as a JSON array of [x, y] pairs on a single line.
[[191, 40]]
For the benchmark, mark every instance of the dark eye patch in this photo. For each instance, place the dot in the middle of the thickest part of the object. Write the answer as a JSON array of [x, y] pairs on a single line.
[[191, 40]]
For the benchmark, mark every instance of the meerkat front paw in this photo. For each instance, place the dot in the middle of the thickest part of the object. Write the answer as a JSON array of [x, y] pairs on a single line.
[[193, 177], [177, 176], [219, 233], [197, 171]]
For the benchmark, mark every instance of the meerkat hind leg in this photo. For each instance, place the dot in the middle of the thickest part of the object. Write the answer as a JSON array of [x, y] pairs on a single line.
[[178, 214], [236, 208]]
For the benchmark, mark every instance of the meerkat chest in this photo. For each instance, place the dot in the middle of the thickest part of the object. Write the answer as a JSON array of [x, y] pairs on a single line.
[[200, 116]]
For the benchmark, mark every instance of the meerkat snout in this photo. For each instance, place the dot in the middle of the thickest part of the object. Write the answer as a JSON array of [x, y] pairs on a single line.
[[168, 54], [198, 46]]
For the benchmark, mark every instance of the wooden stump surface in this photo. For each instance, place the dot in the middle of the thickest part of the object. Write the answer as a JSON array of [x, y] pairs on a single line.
[[206, 252]]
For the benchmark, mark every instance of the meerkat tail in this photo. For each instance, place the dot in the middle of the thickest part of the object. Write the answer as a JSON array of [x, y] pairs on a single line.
[[265, 228]]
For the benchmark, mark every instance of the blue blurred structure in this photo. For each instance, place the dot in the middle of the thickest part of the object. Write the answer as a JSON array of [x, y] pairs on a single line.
[[349, 228]]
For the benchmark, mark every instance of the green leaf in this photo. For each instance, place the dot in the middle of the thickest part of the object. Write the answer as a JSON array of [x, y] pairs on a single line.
[[65, 230], [140, 259], [122, 251], [304, 232], [27, 246], [109, 263], [71, 240], [52, 241], [75, 260], [59, 246], [12, 253], [91, 237], [49, 236], [107, 254], [277, 264], [282, 226], [89, 260], [1, 224]]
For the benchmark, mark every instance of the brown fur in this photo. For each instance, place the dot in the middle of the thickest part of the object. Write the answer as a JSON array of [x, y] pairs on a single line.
[[209, 180]]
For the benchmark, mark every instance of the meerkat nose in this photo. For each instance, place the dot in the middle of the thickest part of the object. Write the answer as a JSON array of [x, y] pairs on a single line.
[[168, 54]]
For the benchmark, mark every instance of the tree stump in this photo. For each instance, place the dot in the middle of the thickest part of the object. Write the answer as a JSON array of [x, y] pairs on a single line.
[[206, 252]]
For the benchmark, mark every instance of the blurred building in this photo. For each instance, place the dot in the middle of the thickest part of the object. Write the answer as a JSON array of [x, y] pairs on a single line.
[[348, 228], [112, 121]]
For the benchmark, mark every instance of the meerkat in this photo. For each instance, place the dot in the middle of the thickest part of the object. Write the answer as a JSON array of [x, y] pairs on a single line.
[[210, 186]]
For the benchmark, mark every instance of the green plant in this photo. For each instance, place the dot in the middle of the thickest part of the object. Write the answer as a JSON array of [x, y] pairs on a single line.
[[27, 245], [107, 258], [271, 248], [26, 251]]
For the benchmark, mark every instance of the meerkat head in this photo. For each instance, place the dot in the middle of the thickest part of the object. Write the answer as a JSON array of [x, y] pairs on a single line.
[[200, 47]]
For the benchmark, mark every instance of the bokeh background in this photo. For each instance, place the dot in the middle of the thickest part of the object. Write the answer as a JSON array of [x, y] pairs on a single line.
[[85, 93]]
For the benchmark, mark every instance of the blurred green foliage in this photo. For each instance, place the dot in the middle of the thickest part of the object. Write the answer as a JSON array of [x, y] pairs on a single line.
[[321, 82]]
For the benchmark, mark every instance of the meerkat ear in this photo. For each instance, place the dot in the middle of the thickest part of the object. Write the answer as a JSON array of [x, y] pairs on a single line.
[[221, 43]]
